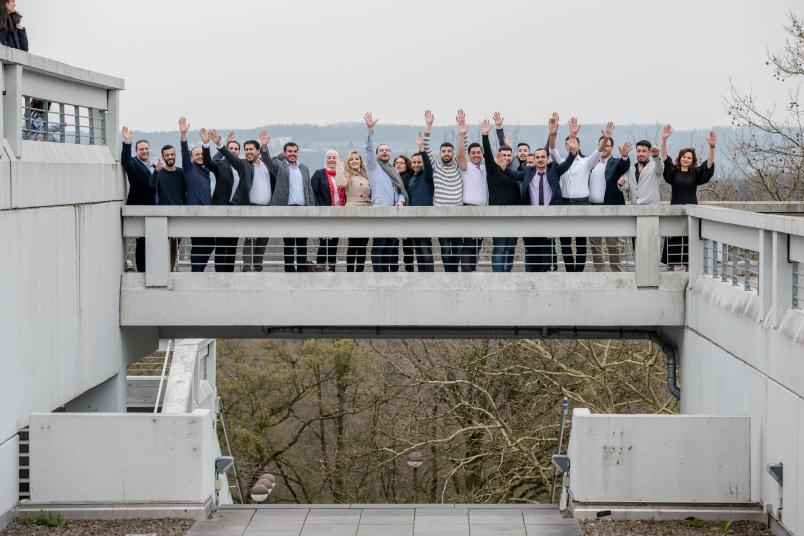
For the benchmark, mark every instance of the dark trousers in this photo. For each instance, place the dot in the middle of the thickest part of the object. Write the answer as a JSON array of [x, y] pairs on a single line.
[[384, 254], [574, 262], [200, 251], [327, 255], [451, 253], [139, 254], [423, 253], [502, 254], [356, 254], [540, 254], [470, 248], [295, 254], [225, 254], [409, 254]]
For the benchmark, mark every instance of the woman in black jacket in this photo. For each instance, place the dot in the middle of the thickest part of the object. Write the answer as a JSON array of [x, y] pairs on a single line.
[[403, 165], [12, 32]]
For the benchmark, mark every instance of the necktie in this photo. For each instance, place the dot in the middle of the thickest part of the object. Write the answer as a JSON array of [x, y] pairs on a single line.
[[541, 189]]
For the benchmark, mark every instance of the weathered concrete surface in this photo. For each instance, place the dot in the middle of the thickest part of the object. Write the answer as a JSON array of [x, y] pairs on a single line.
[[403, 299], [389, 520]]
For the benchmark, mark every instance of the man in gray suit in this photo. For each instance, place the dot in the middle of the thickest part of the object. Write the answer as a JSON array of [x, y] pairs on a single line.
[[293, 189]]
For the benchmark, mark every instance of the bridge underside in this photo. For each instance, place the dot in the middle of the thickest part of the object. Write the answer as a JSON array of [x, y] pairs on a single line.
[[434, 305]]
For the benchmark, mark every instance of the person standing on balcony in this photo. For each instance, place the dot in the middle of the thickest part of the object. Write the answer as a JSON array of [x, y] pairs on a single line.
[[171, 189], [256, 186], [387, 190], [327, 194], [645, 175], [475, 189], [503, 191], [684, 176], [293, 189], [227, 192], [12, 32], [541, 187], [522, 149], [353, 178], [420, 189], [603, 190], [447, 190], [199, 192], [403, 165], [138, 171], [575, 187]]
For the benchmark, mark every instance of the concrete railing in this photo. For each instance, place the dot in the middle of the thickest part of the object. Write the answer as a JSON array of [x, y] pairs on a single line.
[[191, 381], [759, 253], [646, 225]]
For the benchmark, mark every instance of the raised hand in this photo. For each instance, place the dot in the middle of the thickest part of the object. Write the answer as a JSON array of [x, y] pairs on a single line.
[[625, 148], [420, 141], [654, 151], [184, 127], [553, 124], [160, 165], [127, 135], [204, 136], [485, 127], [463, 128], [428, 119], [574, 127], [666, 132], [215, 137], [370, 121], [265, 139], [712, 139], [573, 145], [609, 128], [498, 119], [230, 137]]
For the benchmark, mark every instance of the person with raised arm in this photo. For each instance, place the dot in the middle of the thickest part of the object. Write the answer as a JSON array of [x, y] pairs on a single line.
[[420, 189], [447, 190], [353, 178], [141, 191], [199, 192], [387, 190], [684, 177], [327, 194], [475, 188], [503, 191], [575, 186], [541, 187], [256, 184], [522, 148], [171, 189], [227, 192], [603, 190], [405, 168], [644, 178]]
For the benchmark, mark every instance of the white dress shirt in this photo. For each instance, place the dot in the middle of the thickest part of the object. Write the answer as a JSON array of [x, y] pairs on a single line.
[[260, 193], [575, 182], [475, 185], [597, 182]]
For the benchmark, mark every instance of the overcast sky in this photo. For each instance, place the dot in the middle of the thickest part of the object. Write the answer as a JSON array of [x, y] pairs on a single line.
[[245, 63]]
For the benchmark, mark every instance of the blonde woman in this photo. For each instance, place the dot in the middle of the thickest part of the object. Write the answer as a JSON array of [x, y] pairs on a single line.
[[353, 177]]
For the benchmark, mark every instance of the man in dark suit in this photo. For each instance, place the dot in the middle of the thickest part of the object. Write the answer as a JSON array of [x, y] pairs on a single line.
[[603, 190], [227, 192], [140, 189], [293, 189], [541, 186]]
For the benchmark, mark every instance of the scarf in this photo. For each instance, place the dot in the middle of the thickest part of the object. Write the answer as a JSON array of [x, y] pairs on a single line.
[[338, 195], [395, 178]]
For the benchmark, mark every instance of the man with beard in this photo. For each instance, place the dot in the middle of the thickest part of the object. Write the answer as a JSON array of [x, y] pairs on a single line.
[[645, 177], [199, 192], [387, 190], [475, 189], [447, 189], [522, 149], [170, 187], [140, 190]]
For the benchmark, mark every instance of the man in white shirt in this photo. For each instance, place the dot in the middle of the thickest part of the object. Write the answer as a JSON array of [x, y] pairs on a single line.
[[575, 187], [475, 190], [603, 190]]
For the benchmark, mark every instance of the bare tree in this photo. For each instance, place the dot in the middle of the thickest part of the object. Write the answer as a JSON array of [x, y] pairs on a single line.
[[768, 147]]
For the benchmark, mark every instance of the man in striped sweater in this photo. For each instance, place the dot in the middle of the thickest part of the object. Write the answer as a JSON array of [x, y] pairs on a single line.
[[447, 189]]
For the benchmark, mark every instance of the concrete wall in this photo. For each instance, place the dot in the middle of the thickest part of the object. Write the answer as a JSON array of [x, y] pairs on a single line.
[[659, 459], [9, 490], [736, 359], [112, 458]]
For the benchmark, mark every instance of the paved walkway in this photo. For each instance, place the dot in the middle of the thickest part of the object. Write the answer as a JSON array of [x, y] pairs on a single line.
[[388, 520]]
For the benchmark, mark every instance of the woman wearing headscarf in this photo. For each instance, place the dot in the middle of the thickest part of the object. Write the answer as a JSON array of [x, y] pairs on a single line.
[[327, 194]]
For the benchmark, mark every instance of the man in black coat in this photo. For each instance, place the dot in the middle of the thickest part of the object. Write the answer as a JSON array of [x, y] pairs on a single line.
[[140, 189]]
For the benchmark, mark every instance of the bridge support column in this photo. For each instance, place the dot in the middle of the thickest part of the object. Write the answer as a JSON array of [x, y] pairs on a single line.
[[157, 252], [647, 251], [781, 276]]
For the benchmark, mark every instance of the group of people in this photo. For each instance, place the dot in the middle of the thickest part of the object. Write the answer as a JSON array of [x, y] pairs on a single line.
[[471, 174]]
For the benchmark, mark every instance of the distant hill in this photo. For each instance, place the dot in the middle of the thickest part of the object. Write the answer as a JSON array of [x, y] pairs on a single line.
[[316, 140]]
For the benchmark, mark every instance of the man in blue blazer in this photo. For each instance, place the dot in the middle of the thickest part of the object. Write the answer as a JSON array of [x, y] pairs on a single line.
[[140, 189], [541, 186]]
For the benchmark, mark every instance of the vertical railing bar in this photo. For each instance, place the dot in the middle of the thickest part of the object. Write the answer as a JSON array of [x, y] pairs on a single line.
[[91, 126], [714, 258], [77, 126], [734, 259], [62, 127], [706, 244]]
